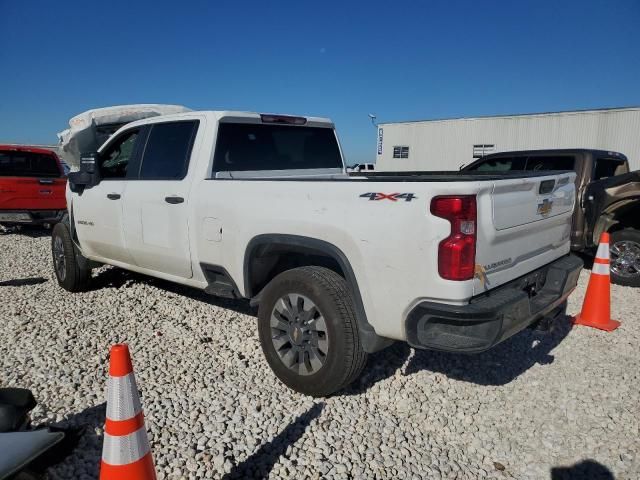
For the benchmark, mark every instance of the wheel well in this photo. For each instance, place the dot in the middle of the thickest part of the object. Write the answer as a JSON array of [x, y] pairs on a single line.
[[624, 217], [268, 260]]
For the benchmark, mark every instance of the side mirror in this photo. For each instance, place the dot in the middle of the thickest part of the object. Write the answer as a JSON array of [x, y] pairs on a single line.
[[88, 176], [88, 162]]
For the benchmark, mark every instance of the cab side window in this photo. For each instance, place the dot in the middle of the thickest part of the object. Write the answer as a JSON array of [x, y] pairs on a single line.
[[114, 161]]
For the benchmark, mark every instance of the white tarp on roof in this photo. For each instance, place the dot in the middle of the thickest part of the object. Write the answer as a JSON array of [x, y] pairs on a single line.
[[89, 130]]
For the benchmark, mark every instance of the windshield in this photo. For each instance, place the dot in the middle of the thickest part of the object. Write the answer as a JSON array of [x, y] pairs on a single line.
[[27, 164]]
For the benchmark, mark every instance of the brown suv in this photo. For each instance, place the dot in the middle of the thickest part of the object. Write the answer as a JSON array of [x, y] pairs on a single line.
[[607, 200]]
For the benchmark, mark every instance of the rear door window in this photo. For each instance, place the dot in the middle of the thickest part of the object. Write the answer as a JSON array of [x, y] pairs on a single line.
[[28, 164], [244, 147], [168, 149]]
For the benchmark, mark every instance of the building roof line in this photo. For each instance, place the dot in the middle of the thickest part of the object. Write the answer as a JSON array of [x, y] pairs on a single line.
[[508, 115]]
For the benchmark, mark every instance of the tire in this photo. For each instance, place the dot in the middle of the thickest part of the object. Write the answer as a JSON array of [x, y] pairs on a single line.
[[71, 268], [322, 349], [625, 257]]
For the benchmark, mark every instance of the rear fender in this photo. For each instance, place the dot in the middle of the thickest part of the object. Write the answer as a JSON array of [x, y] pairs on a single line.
[[371, 342], [622, 214]]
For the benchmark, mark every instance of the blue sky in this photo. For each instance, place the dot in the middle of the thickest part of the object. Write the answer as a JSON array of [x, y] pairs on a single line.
[[401, 60]]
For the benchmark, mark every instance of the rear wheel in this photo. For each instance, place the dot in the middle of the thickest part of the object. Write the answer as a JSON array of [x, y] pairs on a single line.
[[71, 268], [308, 331], [625, 257]]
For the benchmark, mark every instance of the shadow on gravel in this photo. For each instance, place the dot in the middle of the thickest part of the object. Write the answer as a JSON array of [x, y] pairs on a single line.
[[500, 365], [260, 463], [380, 365], [113, 277], [27, 231], [585, 470], [23, 282], [88, 452], [587, 259]]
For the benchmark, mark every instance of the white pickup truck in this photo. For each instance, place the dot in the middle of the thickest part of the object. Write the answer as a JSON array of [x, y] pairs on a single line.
[[257, 206]]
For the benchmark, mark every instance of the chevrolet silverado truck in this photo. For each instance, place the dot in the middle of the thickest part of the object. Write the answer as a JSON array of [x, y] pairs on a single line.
[[608, 197], [260, 207], [32, 186]]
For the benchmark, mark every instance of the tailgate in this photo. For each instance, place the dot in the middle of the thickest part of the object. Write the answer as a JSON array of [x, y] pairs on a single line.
[[523, 224], [24, 193]]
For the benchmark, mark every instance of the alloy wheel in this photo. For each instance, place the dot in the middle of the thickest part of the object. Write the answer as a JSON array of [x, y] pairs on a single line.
[[299, 334], [625, 258], [59, 259]]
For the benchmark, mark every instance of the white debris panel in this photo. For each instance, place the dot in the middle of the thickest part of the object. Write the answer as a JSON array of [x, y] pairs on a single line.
[[89, 130]]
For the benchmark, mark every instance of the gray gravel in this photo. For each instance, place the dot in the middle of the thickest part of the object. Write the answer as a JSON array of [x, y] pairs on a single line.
[[213, 407]]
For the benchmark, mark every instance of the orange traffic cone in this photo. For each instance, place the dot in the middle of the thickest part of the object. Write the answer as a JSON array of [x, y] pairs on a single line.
[[596, 309], [126, 453]]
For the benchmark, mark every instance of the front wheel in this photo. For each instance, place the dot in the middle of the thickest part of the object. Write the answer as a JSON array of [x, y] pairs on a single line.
[[625, 257], [72, 270], [308, 331]]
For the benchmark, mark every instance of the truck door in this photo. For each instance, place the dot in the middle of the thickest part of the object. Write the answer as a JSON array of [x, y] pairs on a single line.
[[157, 202], [97, 212]]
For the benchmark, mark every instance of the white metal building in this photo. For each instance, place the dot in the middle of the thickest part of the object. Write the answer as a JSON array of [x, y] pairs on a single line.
[[448, 144]]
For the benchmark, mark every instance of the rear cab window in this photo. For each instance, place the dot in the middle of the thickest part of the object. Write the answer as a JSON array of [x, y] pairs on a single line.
[[28, 164], [505, 164], [245, 147], [527, 163], [550, 162]]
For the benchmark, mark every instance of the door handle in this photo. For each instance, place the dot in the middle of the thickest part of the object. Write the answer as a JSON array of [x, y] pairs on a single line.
[[113, 196], [174, 200], [45, 181]]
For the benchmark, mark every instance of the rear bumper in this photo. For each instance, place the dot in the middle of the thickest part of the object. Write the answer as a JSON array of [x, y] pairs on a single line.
[[30, 217], [494, 316]]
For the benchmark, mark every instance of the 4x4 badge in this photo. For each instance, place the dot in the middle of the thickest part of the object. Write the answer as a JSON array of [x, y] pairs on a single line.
[[394, 197]]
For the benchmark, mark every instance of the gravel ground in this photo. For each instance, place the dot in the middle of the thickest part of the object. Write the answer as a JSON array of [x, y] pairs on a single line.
[[537, 406]]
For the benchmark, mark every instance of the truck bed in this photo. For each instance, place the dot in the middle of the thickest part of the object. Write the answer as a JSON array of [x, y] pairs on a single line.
[[418, 176], [448, 176]]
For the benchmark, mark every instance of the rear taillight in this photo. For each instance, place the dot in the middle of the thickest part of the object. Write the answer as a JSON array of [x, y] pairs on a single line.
[[457, 252]]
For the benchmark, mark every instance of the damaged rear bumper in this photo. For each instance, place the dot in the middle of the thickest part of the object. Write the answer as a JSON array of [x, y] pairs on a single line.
[[492, 317]]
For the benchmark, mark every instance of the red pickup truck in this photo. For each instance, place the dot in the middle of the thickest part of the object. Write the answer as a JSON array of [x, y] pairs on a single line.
[[32, 186]]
